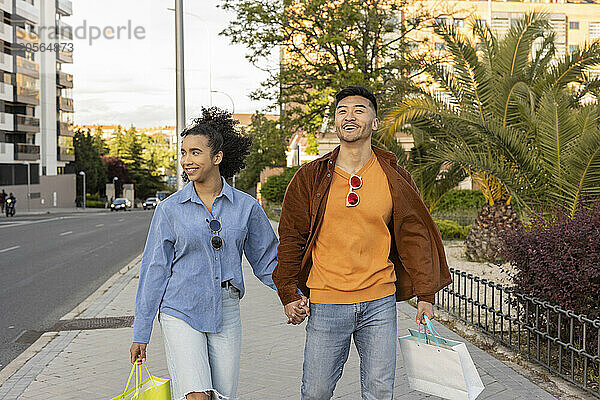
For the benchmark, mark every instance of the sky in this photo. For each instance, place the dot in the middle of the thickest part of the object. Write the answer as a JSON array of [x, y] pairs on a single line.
[[132, 81]]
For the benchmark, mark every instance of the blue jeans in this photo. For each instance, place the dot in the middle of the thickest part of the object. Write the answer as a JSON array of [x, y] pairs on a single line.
[[330, 328], [205, 362]]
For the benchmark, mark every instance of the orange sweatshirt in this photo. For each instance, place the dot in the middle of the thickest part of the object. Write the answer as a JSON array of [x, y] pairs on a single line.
[[350, 255]]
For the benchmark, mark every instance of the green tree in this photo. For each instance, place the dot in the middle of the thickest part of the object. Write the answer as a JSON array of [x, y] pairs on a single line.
[[511, 118], [87, 159], [146, 181], [99, 142], [117, 144], [269, 143], [326, 45]]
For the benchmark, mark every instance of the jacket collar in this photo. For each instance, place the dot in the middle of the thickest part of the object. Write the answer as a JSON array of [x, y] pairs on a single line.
[[189, 193]]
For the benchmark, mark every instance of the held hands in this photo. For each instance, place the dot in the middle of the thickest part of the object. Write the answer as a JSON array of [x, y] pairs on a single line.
[[297, 311], [424, 308], [138, 352]]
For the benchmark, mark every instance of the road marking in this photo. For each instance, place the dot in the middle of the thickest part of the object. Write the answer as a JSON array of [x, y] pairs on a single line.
[[66, 233], [99, 225], [121, 220], [29, 222], [9, 249]]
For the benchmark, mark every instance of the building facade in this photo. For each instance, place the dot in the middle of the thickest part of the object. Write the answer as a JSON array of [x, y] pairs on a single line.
[[36, 105]]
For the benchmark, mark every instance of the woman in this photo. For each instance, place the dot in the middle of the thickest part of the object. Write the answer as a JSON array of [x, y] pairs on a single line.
[[191, 272]]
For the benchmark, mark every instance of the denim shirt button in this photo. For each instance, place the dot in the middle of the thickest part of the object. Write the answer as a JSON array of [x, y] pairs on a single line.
[[328, 175], [318, 194]]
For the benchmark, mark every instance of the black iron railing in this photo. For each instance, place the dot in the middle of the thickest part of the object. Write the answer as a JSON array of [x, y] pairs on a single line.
[[566, 343]]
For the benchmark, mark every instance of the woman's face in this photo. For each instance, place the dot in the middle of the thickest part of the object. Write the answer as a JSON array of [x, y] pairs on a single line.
[[196, 159]]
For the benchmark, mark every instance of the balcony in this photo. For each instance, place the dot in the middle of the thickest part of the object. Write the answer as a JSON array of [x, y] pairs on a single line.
[[27, 67], [27, 152], [63, 79], [65, 57], [27, 96], [64, 7], [65, 154], [6, 62], [26, 124], [65, 104], [29, 11], [64, 129], [6, 31], [6, 92], [66, 30], [7, 122], [6, 5], [24, 38]]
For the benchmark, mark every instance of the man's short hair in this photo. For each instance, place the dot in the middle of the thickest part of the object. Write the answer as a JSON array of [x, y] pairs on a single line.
[[356, 91]]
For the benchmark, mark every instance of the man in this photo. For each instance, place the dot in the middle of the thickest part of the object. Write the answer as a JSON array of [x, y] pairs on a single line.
[[2, 200], [355, 237]]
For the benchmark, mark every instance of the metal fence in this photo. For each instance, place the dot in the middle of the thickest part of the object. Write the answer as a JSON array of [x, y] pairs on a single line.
[[566, 343]]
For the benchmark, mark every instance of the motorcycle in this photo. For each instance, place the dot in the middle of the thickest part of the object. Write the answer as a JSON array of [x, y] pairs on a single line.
[[9, 207]]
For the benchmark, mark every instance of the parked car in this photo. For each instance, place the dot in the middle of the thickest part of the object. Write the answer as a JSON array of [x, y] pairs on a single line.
[[120, 203], [150, 202]]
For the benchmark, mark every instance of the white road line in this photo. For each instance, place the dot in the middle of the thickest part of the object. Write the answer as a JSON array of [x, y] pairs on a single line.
[[9, 249], [121, 220], [99, 225], [66, 233]]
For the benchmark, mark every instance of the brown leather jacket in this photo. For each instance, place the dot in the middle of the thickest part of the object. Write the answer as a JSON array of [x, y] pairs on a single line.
[[417, 250]]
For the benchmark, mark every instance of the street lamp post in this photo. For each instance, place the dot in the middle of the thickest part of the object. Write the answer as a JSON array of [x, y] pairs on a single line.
[[28, 185], [115, 179], [83, 175], [230, 99], [179, 84]]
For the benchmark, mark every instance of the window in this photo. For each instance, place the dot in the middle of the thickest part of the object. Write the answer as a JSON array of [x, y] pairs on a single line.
[[573, 48], [440, 46], [594, 30], [459, 22], [574, 25]]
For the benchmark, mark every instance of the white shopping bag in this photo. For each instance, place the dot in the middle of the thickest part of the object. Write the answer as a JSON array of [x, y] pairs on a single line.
[[439, 366]]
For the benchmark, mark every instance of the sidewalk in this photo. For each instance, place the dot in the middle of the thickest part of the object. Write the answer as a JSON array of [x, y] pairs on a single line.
[[94, 364]]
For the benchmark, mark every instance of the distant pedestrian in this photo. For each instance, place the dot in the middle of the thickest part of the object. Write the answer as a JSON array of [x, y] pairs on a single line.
[[191, 271], [2, 200]]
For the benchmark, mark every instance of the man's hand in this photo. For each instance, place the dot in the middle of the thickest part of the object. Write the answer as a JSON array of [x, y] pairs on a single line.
[[138, 351], [424, 308], [297, 311]]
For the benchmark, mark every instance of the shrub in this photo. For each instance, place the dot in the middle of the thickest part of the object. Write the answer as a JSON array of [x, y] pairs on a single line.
[[94, 204], [460, 200], [274, 188], [557, 259], [451, 230]]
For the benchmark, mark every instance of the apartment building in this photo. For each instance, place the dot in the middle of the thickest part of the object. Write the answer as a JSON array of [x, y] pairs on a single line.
[[36, 105], [574, 22]]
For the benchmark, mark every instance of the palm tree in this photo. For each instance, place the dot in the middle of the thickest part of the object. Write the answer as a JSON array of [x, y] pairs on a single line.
[[512, 119]]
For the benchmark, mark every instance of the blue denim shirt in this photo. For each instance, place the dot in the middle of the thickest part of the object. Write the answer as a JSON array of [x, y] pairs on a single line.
[[181, 273]]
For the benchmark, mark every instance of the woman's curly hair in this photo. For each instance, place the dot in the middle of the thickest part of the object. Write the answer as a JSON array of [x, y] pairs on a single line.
[[220, 128]]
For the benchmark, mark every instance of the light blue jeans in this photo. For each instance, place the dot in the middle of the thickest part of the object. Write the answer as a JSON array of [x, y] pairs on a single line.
[[330, 328], [205, 362]]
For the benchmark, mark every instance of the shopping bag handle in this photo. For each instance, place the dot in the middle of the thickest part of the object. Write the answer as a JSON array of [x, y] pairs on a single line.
[[429, 326], [138, 378]]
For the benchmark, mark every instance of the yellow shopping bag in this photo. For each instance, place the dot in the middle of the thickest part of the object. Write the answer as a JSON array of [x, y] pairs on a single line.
[[152, 388]]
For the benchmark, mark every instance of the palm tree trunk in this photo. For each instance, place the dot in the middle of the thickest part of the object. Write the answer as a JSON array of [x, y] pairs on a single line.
[[483, 242]]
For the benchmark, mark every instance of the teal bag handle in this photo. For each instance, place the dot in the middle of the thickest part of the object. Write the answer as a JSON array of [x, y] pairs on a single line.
[[431, 329]]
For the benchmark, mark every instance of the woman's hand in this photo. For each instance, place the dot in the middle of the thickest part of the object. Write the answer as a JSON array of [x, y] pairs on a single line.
[[138, 352]]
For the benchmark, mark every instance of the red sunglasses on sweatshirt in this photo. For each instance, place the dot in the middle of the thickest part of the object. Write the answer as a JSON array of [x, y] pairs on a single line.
[[352, 199]]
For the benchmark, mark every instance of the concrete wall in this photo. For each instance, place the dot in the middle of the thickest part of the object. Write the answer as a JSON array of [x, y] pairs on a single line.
[[52, 192]]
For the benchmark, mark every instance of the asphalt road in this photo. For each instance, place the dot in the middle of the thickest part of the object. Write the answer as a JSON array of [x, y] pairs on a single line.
[[51, 263]]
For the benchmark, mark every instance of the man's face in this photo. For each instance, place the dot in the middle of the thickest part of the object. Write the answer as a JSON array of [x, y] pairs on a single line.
[[355, 119]]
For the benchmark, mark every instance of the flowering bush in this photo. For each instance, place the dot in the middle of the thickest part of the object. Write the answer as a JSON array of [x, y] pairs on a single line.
[[557, 259]]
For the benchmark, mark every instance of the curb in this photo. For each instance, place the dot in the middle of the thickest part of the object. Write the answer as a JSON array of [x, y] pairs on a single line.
[[47, 337]]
